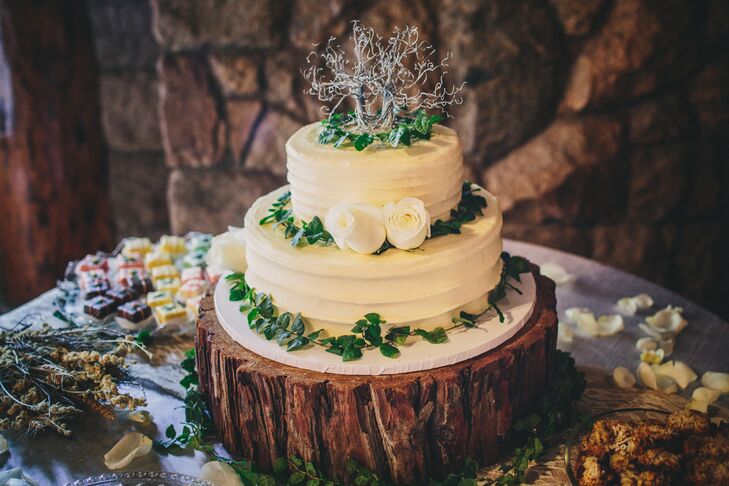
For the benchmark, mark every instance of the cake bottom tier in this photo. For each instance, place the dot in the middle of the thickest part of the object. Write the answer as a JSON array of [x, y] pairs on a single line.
[[408, 428]]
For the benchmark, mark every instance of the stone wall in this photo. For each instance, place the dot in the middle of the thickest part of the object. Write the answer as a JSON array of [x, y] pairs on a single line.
[[602, 125]]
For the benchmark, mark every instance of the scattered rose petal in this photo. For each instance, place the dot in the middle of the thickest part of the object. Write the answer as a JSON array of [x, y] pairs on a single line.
[[130, 446], [698, 405], [668, 320], [678, 371], [565, 333], [629, 305], [623, 378], [646, 344], [703, 394], [652, 357], [587, 322], [3, 445], [650, 331], [556, 272], [610, 325], [16, 477], [646, 376], [667, 346], [574, 312], [220, 474], [141, 417], [716, 381]]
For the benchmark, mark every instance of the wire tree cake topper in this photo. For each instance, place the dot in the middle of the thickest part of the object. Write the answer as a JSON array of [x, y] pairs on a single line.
[[387, 84]]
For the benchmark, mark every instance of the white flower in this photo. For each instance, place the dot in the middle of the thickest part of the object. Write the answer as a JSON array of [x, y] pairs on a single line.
[[128, 448], [220, 474], [629, 305], [649, 378], [407, 223], [556, 272], [652, 356], [228, 251], [678, 371], [356, 226]]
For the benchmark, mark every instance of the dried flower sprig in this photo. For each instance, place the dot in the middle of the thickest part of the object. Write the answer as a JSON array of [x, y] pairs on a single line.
[[50, 375], [386, 80]]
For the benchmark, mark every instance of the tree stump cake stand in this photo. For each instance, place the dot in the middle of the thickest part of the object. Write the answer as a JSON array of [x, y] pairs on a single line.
[[407, 427]]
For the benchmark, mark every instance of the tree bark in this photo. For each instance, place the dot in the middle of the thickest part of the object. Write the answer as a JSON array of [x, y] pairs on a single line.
[[408, 428], [53, 172]]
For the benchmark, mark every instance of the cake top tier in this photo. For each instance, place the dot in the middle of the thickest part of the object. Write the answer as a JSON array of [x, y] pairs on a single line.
[[322, 177]]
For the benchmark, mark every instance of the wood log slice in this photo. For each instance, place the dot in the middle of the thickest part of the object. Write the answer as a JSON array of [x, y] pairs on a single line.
[[408, 427]]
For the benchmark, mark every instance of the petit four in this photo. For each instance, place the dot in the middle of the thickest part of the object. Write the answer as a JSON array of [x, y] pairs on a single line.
[[199, 242], [170, 314], [192, 273], [191, 288], [99, 307], [134, 315], [123, 295], [195, 258], [136, 247], [171, 284], [174, 245], [158, 298], [124, 262], [89, 276], [156, 259], [92, 262], [95, 288], [136, 280], [193, 307], [165, 271]]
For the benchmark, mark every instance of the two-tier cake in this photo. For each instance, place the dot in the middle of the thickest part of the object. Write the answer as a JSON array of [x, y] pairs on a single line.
[[376, 244]]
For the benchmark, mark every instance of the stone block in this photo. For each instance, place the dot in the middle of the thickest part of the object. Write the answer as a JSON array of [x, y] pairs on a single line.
[[577, 16], [709, 94], [657, 120], [123, 34], [237, 75], [268, 152], [129, 111], [138, 191], [193, 129], [210, 200], [182, 24], [242, 118], [312, 21], [657, 182]]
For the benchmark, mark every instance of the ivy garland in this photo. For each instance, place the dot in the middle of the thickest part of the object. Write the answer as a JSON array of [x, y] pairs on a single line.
[[469, 207], [289, 330], [405, 131], [554, 413]]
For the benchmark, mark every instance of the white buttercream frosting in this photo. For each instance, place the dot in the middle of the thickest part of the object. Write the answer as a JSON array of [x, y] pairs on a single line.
[[333, 289], [321, 177]]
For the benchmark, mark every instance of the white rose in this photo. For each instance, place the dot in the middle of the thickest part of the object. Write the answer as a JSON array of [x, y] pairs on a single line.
[[407, 223], [228, 251], [356, 226]]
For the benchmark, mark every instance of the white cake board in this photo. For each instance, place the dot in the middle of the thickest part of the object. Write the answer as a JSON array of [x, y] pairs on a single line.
[[419, 355]]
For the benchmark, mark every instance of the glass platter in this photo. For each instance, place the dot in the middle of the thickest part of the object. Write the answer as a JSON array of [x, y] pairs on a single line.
[[140, 479]]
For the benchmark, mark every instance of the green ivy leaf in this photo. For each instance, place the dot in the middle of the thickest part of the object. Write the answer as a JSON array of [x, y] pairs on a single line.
[[298, 327], [389, 351], [351, 353], [297, 343]]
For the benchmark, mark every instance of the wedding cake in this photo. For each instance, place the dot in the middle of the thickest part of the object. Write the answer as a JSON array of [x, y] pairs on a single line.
[[376, 243]]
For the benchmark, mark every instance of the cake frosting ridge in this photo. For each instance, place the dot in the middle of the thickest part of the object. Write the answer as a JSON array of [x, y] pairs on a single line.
[[321, 177]]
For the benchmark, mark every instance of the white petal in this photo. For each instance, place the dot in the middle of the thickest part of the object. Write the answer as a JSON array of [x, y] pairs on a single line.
[[141, 417], [646, 376], [650, 331], [627, 306], [703, 394], [3, 445], [565, 333], [610, 325], [677, 371], [16, 477], [588, 323], [646, 344], [716, 381], [623, 378], [129, 447], [220, 474], [667, 346], [668, 320], [643, 301], [556, 272], [573, 313], [698, 405], [652, 357]]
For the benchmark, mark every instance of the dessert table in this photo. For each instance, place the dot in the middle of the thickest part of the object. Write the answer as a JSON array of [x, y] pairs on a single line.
[[703, 345]]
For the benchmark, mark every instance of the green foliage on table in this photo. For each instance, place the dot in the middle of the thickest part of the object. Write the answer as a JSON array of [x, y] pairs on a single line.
[[283, 216], [338, 130], [368, 333], [555, 411]]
